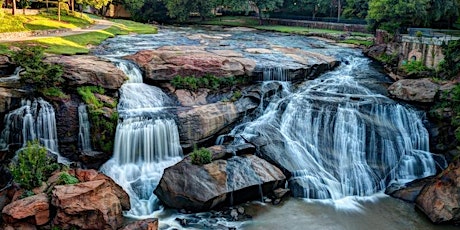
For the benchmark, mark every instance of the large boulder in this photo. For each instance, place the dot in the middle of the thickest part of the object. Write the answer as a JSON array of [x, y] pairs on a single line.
[[440, 199], [167, 62], [199, 123], [147, 224], [414, 90], [89, 70], [95, 203], [221, 182], [34, 210]]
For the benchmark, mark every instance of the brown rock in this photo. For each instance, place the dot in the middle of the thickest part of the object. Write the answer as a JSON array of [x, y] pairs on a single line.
[[147, 224], [167, 62], [414, 90], [10, 98], [440, 200], [87, 205], [221, 182], [21, 226], [189, 98], [89, 70], [33, 209]]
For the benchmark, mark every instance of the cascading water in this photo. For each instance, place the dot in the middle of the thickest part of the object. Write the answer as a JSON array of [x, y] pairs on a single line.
[[146, 142], [34, 120], [339, 139], [84, 141]]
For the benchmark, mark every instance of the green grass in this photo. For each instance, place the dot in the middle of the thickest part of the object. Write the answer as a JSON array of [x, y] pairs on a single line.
[[232, 21], [358, 42], [43, 21], [78, 44]]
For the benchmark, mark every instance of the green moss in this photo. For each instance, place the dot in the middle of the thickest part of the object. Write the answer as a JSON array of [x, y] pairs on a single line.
[[208, 81], [366, 43], [66, 178]]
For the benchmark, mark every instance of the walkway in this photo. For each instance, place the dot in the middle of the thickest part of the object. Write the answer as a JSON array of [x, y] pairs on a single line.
[[99, 24]]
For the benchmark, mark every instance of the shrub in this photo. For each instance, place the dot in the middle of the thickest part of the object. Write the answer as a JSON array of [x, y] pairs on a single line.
[[54, 92], [208, 81], [413, 67], [37, 73], [87, 94], [201, 156], [66, 178], [236, 95], [33, 166], [450, 66]]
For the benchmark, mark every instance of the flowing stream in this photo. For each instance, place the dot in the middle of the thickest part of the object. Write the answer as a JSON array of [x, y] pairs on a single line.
[[340, 137]]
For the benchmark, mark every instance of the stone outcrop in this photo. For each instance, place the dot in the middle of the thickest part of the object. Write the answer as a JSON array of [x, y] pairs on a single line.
[[414, 90], [199, 123], [94, 203], [34, 210], [167, 62], [89, 70], [408, 192], [147, 224], [221, 182], [440, 199]]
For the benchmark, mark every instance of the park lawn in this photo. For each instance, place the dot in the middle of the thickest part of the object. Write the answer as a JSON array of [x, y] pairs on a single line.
[[232, 21], [79, 44], [43, 21]]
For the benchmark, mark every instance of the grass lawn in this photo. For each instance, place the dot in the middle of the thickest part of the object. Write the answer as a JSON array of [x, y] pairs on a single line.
[[78, 44], [254, 23], [43, 21]]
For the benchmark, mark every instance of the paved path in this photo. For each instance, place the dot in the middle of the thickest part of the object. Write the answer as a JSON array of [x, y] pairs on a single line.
[[99, 24]]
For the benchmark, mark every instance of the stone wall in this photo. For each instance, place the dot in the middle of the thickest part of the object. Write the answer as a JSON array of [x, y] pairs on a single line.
[[429, 52], [318, 25]]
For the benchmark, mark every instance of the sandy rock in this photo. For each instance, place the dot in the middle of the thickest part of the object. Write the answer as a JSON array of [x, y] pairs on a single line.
[[33, 209], [414, 90]]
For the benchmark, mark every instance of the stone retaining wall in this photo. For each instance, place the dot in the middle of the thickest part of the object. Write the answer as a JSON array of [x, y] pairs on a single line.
[[318, 25], [11, 35]]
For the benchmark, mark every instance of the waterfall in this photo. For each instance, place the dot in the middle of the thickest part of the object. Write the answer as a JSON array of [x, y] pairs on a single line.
[[146, 142], [275, 74], [84, 141], [34, 120], [338, 138], [130, 69]]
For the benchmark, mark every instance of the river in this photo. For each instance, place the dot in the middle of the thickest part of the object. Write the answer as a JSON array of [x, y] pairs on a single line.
[[341, 138]]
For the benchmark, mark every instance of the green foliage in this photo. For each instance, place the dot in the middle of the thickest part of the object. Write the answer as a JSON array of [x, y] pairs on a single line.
[[66, 178], [26, 193], [201, 156], [356, 9], [366, 43], [88, 95], [181, 9], [451, 100], [236, 95], [33, 166], [388, 59], [43, 76], [414, 67], [208, 81], [102, 128], [393, 14], [450, 67], [53, 92]]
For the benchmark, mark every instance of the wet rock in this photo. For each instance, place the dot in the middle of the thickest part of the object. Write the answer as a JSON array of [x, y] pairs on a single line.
[[10, 98], [227, 151], [199, 123], [440, 199], [147, 224], [221, 182], [89, 70], [414, 90], [280, 192], [167, 62], [34, 210], [409, 191], [189, 98]]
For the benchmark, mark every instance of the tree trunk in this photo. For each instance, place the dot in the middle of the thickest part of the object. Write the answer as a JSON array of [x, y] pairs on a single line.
[[13, 11], [72, 5], [47, 8], [338, 10], [59, 11]]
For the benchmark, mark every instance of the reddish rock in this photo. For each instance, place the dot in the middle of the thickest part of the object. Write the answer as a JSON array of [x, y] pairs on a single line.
[[167, 62], [440, 199], [89, 70], [21, 226], [33, 209], [414, 90], [221, 182], [147, 224], [87, 205]]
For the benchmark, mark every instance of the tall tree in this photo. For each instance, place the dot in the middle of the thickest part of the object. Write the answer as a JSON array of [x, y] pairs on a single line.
[[265, 6], [356, 8], [13, 10], [444, 12], [181, 9], [393, 14]]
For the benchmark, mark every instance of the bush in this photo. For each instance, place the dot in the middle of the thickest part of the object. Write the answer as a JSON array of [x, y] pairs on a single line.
[[450, 66], [37, 73], [33, 166], [208, 81], [201, 156], [414, 67], [66, 178], [87, 94]]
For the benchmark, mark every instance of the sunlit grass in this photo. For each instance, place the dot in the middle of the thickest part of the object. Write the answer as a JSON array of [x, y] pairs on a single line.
[[43, 21], [79, 44]]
